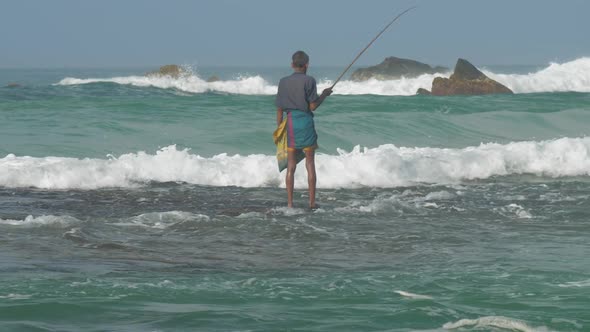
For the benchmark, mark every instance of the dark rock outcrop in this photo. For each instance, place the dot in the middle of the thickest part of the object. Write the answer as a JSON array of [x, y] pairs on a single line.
[[394, 68], [174, 71], [213, 79], [422, 91], [466, 80]]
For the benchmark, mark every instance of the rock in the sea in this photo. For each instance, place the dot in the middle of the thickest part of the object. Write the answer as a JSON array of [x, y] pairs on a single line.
[[422, 91], [467, 80], [394, 68], [213, 79], [174, 71]]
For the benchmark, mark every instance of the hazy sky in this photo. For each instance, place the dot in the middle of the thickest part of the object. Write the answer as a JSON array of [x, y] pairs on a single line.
[[107, 33]]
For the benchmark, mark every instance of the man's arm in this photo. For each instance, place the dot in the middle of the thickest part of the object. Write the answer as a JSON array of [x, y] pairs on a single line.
[[314, 105], [279, 116]]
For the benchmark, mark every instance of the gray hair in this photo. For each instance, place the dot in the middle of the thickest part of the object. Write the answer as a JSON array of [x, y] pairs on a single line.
[[300, 59]]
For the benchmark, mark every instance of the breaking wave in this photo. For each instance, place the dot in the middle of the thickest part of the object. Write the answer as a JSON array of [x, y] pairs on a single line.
[[385, 166], [488, 322], [42, 221], [570, 76], [254, 85]]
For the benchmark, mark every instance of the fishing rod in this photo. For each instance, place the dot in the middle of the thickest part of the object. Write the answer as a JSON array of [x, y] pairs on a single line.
[[371, 43]]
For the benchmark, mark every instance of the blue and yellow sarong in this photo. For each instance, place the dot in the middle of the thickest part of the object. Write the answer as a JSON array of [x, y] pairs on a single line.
[[296, 133]]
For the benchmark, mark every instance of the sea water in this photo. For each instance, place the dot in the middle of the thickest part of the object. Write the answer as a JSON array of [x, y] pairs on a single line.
[[133, 203]]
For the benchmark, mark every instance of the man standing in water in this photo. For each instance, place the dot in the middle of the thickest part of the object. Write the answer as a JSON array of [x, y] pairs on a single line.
[[298, 98]]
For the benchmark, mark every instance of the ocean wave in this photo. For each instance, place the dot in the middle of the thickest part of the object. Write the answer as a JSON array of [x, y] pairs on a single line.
[[42, 221], [164, 220], [385, 166], [413, 296], [400, 87], [487, 322], [252, 85], [570, 76]]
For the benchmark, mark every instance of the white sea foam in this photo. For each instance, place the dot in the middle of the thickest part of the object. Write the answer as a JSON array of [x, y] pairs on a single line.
[[16, 296], [163, 220], [399, 204], [399, 87], [286, 211], [569, 76], [42, 221], [493, 321], [385, 166], [517, 210], [254, 85], [382, 204], [251, 215], [439, 195], [576, 284], [413, 296]]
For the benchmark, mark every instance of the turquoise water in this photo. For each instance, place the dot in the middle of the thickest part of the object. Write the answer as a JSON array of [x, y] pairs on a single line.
[[129, 204], [106, 118]]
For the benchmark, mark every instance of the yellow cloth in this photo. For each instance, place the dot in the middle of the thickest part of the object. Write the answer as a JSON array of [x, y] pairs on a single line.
[[280, 138]]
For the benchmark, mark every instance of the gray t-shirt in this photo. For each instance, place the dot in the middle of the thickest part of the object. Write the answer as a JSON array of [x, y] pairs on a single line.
[[296, 92]]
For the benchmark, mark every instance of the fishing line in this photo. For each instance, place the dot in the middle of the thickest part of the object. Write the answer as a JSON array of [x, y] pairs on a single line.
[[369, 45]]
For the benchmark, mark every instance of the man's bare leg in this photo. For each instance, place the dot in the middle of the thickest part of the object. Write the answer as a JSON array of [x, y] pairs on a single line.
[[290, 179], [311, 177]]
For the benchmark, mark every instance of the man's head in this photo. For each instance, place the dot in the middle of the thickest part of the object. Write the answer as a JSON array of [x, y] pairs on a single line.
[[300, 60]]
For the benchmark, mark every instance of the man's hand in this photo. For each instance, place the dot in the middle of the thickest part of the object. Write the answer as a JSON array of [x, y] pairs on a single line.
[[326, 92]]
